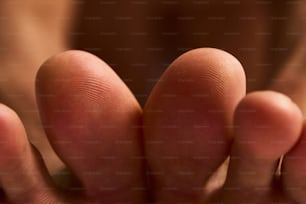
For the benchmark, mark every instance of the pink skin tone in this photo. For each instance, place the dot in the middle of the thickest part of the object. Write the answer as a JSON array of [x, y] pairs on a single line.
[[194, 118], [188, 127]]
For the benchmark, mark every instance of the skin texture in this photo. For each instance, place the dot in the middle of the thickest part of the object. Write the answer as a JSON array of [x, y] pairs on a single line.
[[190, 109], [102, 114], [109, 162], [141, 47], [112, 148], [267, 126]]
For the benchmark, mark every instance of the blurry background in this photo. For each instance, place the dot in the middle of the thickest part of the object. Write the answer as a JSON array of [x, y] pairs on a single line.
[[139, 38]]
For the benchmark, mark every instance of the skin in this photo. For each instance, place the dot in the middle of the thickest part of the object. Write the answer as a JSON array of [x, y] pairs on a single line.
[[109, 162], [100, 97], [27, 43]]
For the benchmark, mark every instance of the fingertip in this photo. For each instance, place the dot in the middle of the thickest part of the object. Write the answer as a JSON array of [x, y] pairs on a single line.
[[211, 64], [68, 64], [186, 119], [264, 119], [92, 121], [12, 135], [76, 69], [218, 63], [212, 71]]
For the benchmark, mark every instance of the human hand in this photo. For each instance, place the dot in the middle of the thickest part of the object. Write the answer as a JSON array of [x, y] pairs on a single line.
[[183, 134]]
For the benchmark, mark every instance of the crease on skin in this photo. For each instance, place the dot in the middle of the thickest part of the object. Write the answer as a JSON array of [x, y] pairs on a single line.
[[206, 75], [84, 85], [212, 72], [95, 91], [293, 170], [191, 70], [217, 179], [92, 89], [96, 86]]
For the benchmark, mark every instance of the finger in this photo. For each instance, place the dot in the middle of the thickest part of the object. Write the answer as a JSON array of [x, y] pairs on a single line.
[[294, 168], [267, 125], [93, 123], [187, 120], [23, 175]]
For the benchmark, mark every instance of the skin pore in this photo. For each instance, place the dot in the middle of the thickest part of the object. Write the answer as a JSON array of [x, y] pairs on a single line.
[[196, 115]]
